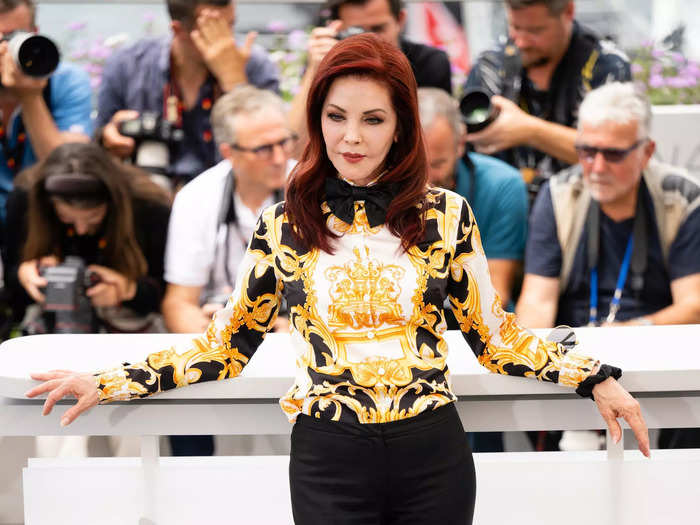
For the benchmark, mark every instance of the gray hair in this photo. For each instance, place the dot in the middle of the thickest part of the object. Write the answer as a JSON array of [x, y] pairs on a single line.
[[434, 103], [555, 7], [242, 100], [618, 102]]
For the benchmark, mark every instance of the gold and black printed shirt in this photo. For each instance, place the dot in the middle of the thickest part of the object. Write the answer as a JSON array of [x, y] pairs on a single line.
[[367, 320]]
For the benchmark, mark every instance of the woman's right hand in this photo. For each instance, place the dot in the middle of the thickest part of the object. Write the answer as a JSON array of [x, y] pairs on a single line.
[[63, 383], [31, 280]]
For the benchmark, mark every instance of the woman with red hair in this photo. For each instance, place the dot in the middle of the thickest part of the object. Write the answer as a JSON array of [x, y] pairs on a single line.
[[365, 255]]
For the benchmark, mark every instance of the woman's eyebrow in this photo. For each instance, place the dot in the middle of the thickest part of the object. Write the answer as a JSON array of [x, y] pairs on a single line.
[[364, 112]]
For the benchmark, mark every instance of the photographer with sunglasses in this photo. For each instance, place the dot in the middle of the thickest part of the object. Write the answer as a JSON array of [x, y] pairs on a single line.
[[214, 216], [614, 239]]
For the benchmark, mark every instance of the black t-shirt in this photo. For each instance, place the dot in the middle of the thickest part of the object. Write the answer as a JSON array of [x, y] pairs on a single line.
[[430, 65], [543, 257], [602, 61]]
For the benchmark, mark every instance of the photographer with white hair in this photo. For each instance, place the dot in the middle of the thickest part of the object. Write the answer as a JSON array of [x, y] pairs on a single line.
[[214, 215], [617, 214]]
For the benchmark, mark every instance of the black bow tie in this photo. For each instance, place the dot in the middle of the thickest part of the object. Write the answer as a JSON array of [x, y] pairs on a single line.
[[341, 198]]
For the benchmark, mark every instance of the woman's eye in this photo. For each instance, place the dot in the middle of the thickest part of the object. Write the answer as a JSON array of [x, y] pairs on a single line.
[[335, 116], [374, 120]]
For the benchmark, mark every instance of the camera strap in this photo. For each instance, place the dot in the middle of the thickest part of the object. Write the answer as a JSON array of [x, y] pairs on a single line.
[[228, 220], [14, 154], [635, 258]]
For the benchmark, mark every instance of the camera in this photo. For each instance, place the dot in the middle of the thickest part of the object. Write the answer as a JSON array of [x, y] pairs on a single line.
[[156, 139], [65, 296], [35, 55], [477, 111], [350, 31]]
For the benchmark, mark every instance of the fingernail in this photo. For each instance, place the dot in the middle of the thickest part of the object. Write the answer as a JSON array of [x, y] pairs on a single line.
[[64, 422]]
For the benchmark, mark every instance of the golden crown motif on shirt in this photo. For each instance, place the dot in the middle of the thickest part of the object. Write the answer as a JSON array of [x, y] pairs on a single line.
[[364, 292]]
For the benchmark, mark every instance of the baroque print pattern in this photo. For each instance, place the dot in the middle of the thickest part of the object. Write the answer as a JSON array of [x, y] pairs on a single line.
[[368, 322]]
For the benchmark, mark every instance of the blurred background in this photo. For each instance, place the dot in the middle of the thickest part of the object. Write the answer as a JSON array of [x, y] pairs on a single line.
[[661, 36]]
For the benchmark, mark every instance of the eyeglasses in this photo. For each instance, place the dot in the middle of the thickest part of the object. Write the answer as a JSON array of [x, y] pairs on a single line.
[[588, 153], [265, 151]]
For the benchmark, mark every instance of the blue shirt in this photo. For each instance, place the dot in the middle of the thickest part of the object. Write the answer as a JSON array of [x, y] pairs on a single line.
[[499, 201], [543, 257], [70, 106], [136, 77]]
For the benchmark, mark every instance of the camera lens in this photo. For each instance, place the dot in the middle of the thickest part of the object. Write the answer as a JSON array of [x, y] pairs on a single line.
[[36, 55], [477, 110]]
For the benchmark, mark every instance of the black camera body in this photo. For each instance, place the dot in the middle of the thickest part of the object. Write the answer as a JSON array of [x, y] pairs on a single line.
[[155, 137], [350, 31], [65, 296]]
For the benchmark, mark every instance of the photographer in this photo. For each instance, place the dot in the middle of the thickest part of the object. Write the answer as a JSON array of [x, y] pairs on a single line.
[[36, 114], [538, 79], [79, 202], [178, 79], [213, 218], [385, 18]]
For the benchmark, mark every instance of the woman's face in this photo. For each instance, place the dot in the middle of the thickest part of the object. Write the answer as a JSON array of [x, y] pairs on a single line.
[[86, 221], [359, 127]]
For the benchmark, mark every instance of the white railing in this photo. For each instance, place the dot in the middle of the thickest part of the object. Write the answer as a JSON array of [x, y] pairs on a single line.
[[662, 368]]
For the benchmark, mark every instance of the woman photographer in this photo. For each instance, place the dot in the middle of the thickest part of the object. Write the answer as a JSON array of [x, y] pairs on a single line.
[[80, 203]]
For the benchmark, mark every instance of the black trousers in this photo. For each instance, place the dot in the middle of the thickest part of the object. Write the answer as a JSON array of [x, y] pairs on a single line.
[[414, 471]]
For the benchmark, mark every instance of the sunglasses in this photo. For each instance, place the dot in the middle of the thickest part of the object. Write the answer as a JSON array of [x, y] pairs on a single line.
[[588, 153], [265, 151]]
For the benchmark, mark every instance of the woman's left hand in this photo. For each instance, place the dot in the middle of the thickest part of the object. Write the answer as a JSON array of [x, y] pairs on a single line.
[[614, 401], [113, 288]]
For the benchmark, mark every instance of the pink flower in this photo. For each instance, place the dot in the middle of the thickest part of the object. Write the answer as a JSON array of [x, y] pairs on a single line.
[[277, 26], [297, 40], [657, 81], [636, 69], [76, 26]]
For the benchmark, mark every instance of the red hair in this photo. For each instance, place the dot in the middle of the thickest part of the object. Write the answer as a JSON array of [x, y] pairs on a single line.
[[367, 56]]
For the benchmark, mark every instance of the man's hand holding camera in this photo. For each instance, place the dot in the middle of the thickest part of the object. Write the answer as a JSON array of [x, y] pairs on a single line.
[[112, 289], [223, 57], [513, 127], [116, 143]]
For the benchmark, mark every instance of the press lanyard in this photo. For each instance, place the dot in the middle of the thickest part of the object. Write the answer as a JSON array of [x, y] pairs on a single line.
[[621, 279], [635, 258]]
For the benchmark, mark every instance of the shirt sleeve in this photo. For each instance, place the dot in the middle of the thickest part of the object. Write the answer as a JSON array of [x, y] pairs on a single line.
[[230, 341], [508, 228], [543, 253], [612, 66], [262, 72], [499, 343], [486, 74], [441, 72], [684, 255], [189, 251], [71, 100], [152, 224], [111, 97]]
